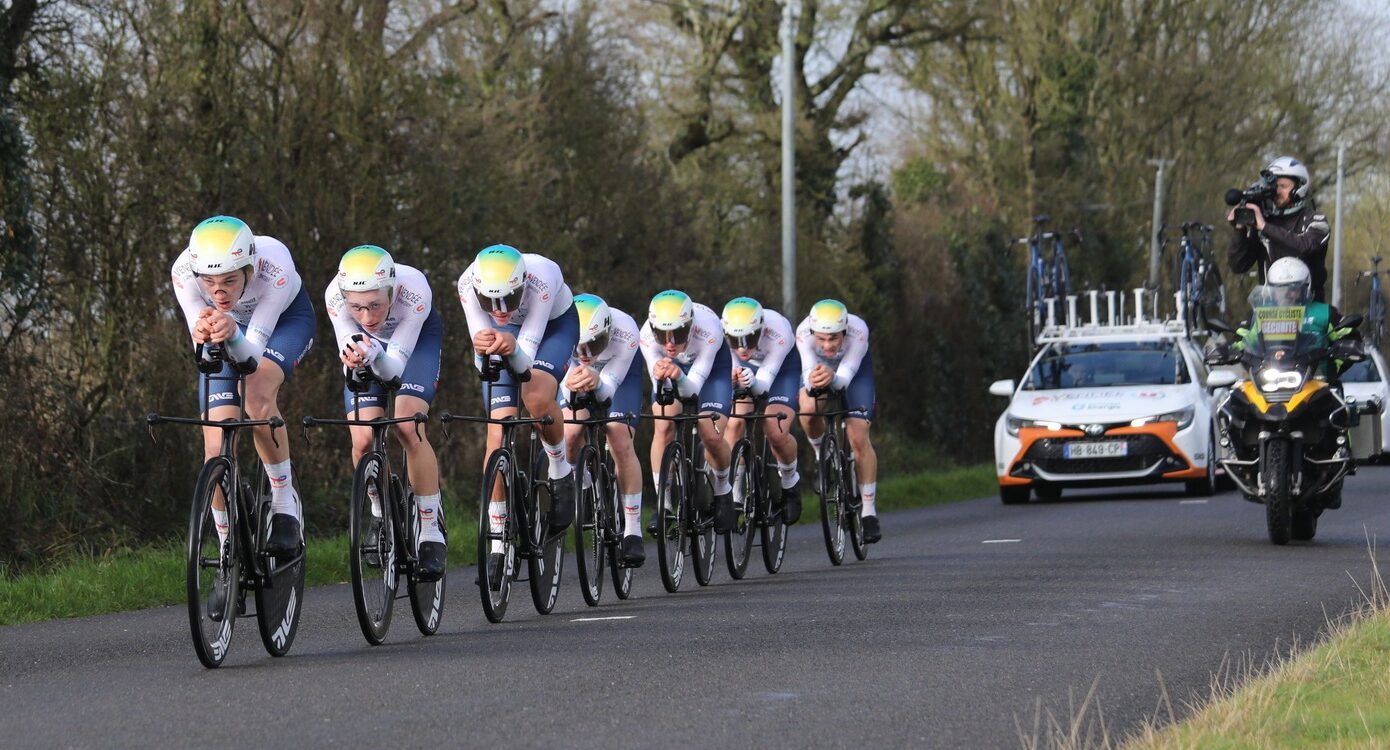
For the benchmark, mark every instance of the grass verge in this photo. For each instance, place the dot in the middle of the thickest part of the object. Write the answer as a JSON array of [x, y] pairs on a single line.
[[154, 576]]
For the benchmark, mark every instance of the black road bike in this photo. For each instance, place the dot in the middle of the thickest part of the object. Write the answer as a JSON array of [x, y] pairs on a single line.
[[598, 534], [757, 494], [241, 564], [684, 497], [1198, 278], [382, 540], [1375, 303], [840, 503], [526, 534], [1049, 277]]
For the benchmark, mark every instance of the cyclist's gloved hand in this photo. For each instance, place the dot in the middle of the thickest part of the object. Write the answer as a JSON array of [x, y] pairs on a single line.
[[744, 376]]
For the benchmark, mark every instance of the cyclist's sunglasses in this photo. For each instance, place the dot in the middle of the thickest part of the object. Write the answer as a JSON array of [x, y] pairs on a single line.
[[593, 348], [677, 336], [505, 304], [745, 342]]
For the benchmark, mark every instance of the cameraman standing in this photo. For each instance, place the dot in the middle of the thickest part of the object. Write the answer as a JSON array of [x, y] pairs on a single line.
[[1285, 224]]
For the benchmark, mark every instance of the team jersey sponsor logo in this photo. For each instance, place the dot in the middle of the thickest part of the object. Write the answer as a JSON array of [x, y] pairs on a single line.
[[281, 281], [409, 297], [223, 396], [413, 387], [419, 308]]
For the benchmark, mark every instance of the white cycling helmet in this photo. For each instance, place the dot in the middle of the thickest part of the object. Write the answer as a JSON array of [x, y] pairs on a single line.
[[499, 278], [671, 315], [1289, 280], [829, 316], [743, 322], [367, 268], [221, 244], [595, 324]]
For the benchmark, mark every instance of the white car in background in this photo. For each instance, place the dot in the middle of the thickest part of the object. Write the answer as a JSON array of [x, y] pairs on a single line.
[[1108, 405], [1366, 382]]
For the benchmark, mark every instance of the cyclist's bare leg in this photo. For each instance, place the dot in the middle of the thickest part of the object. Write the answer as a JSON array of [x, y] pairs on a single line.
[[262, 388], [212, 445], [663, 433], [574, 433], [814, 427], [734, 432], [494, 441], [538, 394], [362, 436], [717, 452], [422, 465], [779, 433], [625, 461]]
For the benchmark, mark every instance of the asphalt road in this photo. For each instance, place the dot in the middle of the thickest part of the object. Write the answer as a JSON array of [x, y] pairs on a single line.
[[964, 623]]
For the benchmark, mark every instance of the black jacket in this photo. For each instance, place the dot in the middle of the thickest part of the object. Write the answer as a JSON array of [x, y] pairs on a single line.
[[1302, 235]]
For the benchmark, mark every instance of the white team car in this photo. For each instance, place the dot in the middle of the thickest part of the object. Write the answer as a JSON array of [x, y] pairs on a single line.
[[1108, 405], [1366, 382]]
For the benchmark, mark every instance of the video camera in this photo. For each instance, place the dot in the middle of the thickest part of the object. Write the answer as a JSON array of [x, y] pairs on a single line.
[[1261, 191]]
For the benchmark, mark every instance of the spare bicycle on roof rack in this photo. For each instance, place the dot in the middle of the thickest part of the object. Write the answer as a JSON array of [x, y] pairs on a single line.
[[1048, 276], [1375, 304]]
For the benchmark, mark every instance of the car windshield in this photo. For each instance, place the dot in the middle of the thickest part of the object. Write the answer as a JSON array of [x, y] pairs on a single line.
[[1364, 371], [1092, 365]]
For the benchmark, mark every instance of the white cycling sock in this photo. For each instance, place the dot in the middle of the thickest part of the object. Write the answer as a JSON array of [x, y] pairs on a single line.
[[497, 521], [559, 467], [632, 514], [375, 497], [219, 519], [427, 508], [866, 491], [721, 481], [282, 497], [789, 475], [815, 443]]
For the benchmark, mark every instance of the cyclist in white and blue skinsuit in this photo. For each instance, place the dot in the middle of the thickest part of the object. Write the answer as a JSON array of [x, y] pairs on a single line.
[[384, 319], [683, 342], [766, 362], [834, 348], [605, 365], [519, 308], [242, 291]]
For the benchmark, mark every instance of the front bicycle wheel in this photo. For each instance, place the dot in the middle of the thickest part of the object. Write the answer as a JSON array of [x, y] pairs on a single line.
[[738, 542], [547, 560], [854, 507], [372, 545], [280, 602], [703, 540], [495, 575], [774, 516], [671, 509], [832, 510], [616, 527], [212, 565], [589, 546], [426, 597]]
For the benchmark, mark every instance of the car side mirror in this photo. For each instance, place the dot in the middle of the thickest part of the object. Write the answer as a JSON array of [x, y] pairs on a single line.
[[1352, 321], [1221, 379], [1003, 388]]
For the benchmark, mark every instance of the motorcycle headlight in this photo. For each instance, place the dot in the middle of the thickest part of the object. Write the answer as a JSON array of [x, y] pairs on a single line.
[[1013, 424], [1272, 379], [1183, 417]]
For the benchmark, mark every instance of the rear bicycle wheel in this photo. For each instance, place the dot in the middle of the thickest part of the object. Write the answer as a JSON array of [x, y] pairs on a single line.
[[426, 597], [832, 511], [774, 518], [546, 564], [210, 563], [279, 604], [738, 542], [671, 508], [501, 473], [372, 561], [589, 543]]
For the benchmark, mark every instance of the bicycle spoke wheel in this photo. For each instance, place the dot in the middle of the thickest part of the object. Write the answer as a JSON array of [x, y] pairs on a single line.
[[426, 597], [738, 543], [547, 562], [212, 564], [831, 500], [704, 542], [501, 472], [589, 543], [279, 604], [1034, 308], [774, 528], [671, 508], [853, 508], [372, 549]]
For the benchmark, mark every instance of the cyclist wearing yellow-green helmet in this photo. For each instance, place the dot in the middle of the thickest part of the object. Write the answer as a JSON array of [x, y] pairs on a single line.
[[766, 363], [684, 348], [384, 319], [834, 348], [241, 291]]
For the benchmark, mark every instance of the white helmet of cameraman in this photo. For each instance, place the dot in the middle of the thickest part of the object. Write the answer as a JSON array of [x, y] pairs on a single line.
[[1290, 281], [1287, 166]]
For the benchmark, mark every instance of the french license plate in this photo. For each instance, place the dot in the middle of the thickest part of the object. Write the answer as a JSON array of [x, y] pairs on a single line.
[[1096, 449]]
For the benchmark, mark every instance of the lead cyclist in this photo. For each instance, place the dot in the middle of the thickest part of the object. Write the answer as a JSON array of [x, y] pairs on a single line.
[[834, 348]]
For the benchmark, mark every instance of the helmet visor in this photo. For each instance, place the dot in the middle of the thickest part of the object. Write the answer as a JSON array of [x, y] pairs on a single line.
[[675, 336], [745, 342], [594, 347], [1295, 293], [506, 304]]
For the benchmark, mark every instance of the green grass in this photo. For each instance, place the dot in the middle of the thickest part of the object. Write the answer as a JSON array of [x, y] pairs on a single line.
[[154, 576]]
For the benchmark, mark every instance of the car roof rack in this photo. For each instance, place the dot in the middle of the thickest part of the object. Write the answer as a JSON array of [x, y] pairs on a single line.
[[1115, 323]]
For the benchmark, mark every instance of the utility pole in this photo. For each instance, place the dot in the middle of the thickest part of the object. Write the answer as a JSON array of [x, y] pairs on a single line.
[[1162, 165], [788, 164], [1337, 235]]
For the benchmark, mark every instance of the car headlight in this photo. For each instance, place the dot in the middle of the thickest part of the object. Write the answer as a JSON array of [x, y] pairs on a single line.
[[1183, 417], [1013, 424], [1272, 379]]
